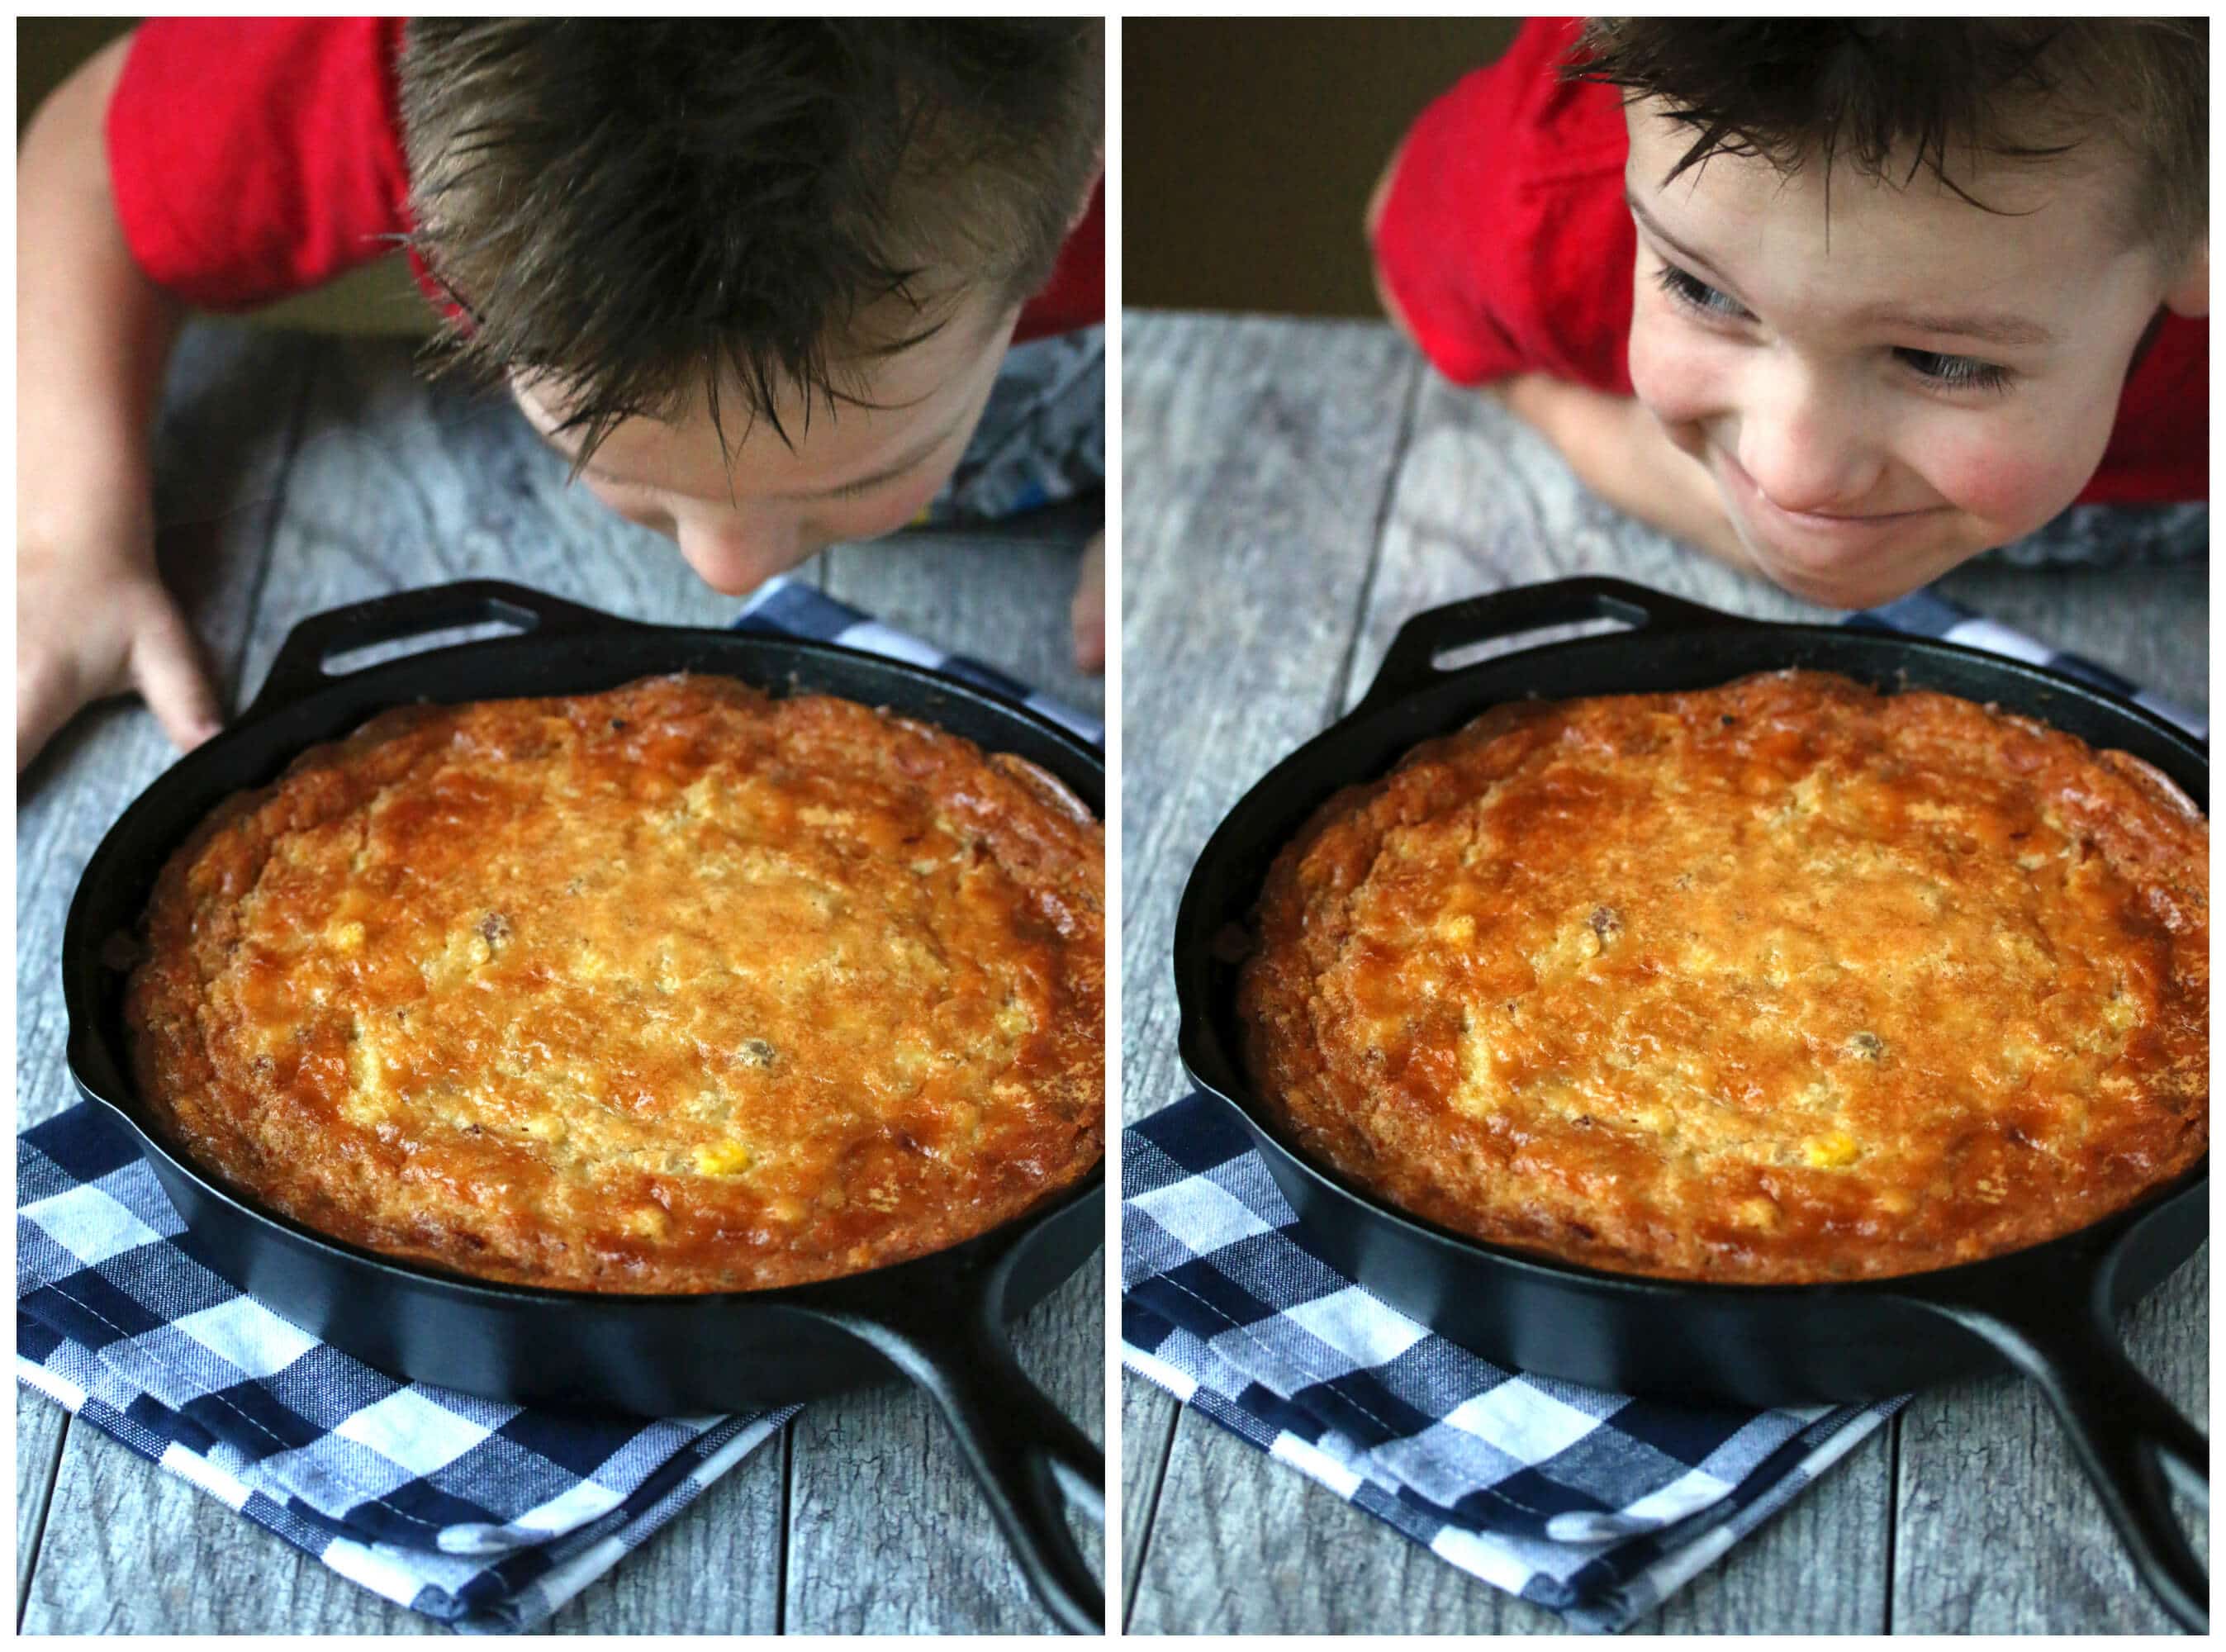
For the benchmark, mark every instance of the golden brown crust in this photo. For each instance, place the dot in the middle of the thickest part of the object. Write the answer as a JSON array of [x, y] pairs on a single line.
[[677, 987], [1781, 981]]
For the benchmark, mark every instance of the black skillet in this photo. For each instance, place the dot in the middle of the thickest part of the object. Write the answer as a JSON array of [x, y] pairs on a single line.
[[941, 1320], [2046, 1312]]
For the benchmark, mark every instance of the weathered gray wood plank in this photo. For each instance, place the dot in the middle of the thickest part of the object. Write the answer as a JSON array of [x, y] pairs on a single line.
[[707, 1572], [2152, 625], [221, 465], [1149, 1416], [999, 593], [888, 1533], [1249, 506], [40, 1425]]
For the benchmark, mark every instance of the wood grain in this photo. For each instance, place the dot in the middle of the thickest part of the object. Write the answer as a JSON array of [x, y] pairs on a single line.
[[1999, 1533], [1967, 1516], [302, 474], [221, 466]]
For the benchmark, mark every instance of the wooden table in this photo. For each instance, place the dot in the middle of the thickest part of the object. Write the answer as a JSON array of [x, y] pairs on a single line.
[[1291, 492], [298, 473]]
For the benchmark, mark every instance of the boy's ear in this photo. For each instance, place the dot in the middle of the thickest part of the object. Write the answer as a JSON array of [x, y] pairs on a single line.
[[2189, 294]]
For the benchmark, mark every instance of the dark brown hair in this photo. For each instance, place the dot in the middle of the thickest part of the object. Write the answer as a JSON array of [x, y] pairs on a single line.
[[1900, 94], [638, 209]]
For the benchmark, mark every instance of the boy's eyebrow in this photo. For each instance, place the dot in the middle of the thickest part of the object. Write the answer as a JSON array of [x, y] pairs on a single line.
[[1670, 241], [1989, 326], [918, 454], [912, 460]]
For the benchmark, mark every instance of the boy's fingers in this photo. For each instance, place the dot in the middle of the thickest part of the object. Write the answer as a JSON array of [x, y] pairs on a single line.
[[166, 668], [44, 701], [1087, 613]]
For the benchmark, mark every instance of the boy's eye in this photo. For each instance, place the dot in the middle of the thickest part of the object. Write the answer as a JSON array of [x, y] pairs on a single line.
[[1695, 293], [1953, 372]]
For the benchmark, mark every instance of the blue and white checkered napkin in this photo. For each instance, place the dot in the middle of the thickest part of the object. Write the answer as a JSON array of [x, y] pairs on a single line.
[[788, 607], [1596, 1505], [486, 1516]]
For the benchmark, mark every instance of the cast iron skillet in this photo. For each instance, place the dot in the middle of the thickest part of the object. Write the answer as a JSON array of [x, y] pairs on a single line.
[[940, 1320], [2046, 1312]]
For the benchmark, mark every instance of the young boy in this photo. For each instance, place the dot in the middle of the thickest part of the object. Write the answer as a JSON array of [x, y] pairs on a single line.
[[1844, 303], [756, 281]]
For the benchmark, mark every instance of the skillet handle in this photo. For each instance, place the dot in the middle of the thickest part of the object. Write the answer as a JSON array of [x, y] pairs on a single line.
[[1032, 1462], [299, 669], [2134, 1446], [1411, 660]]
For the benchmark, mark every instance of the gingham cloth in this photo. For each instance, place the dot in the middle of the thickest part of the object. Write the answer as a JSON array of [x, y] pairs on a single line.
[[486, 1516], [1595, 1505]]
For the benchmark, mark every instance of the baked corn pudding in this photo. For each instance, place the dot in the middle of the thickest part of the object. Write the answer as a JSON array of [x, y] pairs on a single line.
[[1785, 980], [677, 988]]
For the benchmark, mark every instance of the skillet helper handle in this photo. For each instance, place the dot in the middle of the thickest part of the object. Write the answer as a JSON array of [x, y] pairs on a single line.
[[1032, 1462], [299, 669], [1411, 661], [2131, 1442]]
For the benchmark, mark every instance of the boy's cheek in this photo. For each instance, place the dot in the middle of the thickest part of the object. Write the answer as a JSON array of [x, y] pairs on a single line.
[[2014, 480]]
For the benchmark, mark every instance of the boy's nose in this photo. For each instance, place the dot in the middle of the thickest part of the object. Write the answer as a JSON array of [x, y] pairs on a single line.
[[1806, 449], [733, 557]]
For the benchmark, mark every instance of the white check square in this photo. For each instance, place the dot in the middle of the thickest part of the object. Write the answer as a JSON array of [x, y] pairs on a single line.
[[1520, 1421], [246, 1334], [1200, 1216], [406, 1428], [89, 1224], [1357, 1326]]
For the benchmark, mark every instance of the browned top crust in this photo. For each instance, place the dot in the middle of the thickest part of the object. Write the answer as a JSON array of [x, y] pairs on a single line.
[[1785, 980], [677, 988]]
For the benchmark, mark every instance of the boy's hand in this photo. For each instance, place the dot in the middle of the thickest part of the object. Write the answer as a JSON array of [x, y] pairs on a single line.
[[1088, 613], [92, 623]]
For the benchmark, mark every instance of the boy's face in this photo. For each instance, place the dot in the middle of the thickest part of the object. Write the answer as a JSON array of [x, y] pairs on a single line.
[[1884, 391], [741, 517]]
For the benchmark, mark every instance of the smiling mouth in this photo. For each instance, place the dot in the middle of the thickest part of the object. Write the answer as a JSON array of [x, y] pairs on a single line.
[[1827, 521]]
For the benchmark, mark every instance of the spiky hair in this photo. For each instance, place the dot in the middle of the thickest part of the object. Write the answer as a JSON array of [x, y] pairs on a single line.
[[639, 212], [1898, 96]]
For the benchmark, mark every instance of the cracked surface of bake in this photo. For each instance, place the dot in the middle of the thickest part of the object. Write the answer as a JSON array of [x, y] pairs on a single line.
[[1785, 980], [675, 987]]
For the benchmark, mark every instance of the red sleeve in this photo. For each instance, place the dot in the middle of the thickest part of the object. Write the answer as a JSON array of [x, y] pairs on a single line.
[[1504, 238], [1074, 297], [2159, 451], [253, 158]]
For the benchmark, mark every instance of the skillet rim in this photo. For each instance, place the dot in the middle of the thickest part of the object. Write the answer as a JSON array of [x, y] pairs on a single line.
[[1194, 947], [82, 1022]]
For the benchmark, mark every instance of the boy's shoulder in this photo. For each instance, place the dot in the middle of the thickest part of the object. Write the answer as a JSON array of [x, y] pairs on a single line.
[[252, 158], [1505, 209], [1544, 128]]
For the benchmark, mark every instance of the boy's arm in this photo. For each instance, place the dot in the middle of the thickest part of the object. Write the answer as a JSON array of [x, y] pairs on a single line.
[[1618, 451], [92, 336]]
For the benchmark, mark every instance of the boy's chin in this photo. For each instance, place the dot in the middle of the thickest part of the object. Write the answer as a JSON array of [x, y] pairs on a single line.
[[1855, 583]]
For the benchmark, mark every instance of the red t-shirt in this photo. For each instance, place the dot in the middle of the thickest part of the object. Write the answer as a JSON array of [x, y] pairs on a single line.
[[254, 158], [1506, 244]]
